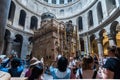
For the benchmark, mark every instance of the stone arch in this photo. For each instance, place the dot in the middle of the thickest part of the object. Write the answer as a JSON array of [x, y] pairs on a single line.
[[11, 11], [34, 23], [17, 45], [99, 12], [22, 18], [6, 40]]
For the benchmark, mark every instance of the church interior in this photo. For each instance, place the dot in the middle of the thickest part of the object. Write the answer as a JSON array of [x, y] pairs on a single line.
[[47, 28]]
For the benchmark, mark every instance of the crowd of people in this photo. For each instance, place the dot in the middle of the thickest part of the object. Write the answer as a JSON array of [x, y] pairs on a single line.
[[87, 67]]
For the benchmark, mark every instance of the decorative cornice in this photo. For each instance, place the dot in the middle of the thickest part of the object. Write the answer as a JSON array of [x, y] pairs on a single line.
[[21, 31], [79, 13], [57, 5], [104, 23]]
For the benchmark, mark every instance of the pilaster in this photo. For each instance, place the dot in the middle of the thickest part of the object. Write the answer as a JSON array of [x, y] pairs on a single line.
[[24, 50], [4, 10]]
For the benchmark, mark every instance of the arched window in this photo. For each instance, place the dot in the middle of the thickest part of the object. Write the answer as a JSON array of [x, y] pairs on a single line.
[[22, 18], [46, 0], [90, 18], [62, 12], [80, 23], [111, 4], [12, 11], [99, 12], [61, 1], [69, 0], [54, 1], [34, 22]]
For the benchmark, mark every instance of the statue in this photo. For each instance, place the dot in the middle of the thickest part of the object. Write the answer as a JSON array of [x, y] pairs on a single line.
[[69, 27]]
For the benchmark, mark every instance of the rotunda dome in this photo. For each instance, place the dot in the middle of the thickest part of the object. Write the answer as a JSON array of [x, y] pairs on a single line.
[[47, 15]]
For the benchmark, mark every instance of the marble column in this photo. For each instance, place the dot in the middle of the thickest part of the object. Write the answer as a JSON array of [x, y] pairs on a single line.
[[100, 49], [86, 45], [4, 9], [24, 50], [50, 1], [57, 2], [39, 20], [9, 46], [117, 3], [65, 2], [111, 38], [104, 8]]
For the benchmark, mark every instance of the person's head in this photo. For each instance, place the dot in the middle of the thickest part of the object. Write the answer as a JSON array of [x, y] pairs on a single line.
[[37, 71], [15, 62], [114, 51], [27, 56], [87, 63], [62, 64], [71, 58]]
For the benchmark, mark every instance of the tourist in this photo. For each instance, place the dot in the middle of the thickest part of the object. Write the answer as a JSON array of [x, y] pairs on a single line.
[[36, 73], [33, 62], [27, 61], [111, 69], [104, 59], [62, 71], [79, 68], [87, 69], [3, 63], [73, 68], [16, 67], [96, 63]]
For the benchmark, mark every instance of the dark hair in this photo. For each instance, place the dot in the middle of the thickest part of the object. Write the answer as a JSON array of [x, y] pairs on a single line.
[[62, 64], [115, 50], [15, 62], [36, 72], [86, 61]]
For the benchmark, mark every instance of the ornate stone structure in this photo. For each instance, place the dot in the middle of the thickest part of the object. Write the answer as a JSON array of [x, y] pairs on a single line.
[[54, 38]]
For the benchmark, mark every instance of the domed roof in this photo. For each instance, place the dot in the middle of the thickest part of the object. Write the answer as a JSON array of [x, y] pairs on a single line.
[[47, 15]]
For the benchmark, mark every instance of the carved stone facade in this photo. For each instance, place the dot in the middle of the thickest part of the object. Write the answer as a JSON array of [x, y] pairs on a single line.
[[52, 39]]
